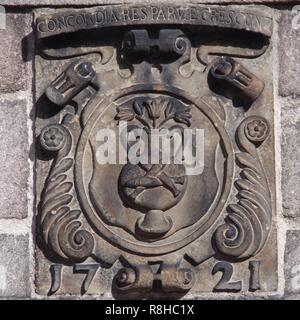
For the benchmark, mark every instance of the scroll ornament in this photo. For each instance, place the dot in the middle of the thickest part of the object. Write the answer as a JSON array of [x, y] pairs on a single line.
[[61, 227], [248, 223]]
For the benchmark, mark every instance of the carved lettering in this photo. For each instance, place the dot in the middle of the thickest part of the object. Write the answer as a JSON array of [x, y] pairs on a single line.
[[106, 16]]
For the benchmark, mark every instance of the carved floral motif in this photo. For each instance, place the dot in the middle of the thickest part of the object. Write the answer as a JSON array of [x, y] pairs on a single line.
[[257, 129], [53, 138], [154, 109]]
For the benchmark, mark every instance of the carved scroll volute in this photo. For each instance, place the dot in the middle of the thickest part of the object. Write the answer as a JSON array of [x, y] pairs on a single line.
[[170, 43], [170, 278], [175, 279], [249, 221], [137, 278], [61, 228]]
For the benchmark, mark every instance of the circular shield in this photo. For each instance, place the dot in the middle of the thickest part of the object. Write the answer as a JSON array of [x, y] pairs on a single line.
[[156, 206]]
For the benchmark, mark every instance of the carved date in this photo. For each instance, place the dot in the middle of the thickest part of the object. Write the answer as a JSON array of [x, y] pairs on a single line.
[[90, 270], [56, 276], [56, 272], [254, 282], [224, 285]]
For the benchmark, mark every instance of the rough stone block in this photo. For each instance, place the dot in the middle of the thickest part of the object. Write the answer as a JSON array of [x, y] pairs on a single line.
[[13, 53], [289, 55], [292, 262], [290, 117], [14, 266], [14, 169]]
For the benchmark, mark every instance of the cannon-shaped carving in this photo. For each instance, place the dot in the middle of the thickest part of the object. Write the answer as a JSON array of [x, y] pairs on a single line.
[[237, 76], [70, 82]]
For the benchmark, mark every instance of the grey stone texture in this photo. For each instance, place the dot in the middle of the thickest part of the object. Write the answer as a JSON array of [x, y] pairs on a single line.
[[290, 155], [289, 54], [292, 262], [14, 266], [101, 2], [14, 169], [13, 53]]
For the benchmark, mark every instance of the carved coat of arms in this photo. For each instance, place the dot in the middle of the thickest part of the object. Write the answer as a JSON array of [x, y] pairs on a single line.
[[154, 228]]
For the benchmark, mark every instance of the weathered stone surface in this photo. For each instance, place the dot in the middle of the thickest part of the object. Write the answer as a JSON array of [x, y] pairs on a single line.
[[292, 262], [14, 266], [156, 225], [99, 2], [13, 53], [289, 55], [290, 117], [133, 15], [14, 169]]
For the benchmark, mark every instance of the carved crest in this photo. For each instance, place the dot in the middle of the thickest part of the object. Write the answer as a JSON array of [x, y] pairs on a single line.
[[154, 224]]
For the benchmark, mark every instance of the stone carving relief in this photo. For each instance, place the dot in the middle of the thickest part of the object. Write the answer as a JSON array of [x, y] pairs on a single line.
[[150, 229]]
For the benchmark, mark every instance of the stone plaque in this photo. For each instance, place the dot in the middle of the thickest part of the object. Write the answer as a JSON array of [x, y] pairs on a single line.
[[117, 89]]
